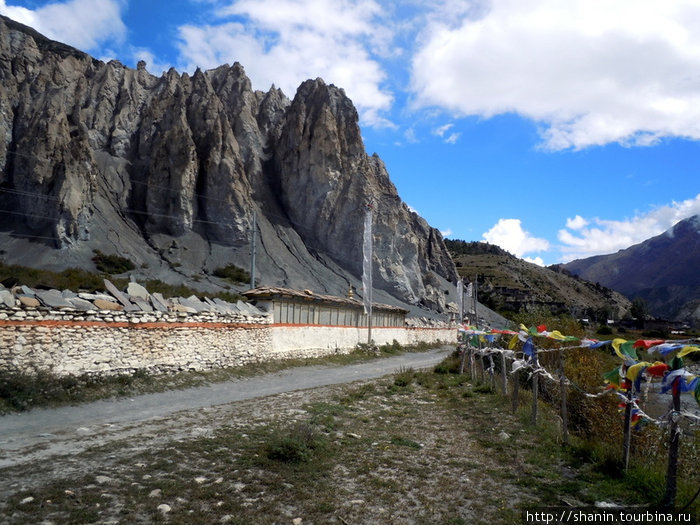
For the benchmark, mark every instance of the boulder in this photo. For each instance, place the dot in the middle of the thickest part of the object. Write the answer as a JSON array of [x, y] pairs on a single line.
[[30, 302], [81, 304], [52, 299], [135, 290], [119, 296], [107, 305], [6, 298]]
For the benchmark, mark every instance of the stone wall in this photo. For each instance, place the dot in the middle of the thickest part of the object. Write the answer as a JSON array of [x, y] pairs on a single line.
[[102, 341], [112, 342]]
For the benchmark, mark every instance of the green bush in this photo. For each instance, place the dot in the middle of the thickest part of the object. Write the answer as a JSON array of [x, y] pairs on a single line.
[[404, 377], [233, 273], [111, 264], [604, 330], [299, 444]]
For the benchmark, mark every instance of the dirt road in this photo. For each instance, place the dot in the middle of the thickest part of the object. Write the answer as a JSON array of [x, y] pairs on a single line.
[[43, 433]]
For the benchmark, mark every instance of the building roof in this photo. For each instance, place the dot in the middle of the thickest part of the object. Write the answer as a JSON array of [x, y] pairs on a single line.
[[272, 292]]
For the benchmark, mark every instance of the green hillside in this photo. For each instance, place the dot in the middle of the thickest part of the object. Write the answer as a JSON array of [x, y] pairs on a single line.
[[508, 284]]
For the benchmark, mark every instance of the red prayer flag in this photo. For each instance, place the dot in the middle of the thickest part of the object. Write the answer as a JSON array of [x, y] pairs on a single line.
[[648, 343], [657, 370]]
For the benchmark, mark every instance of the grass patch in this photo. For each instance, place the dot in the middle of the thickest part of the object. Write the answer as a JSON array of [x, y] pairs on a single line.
[[403, 442], [111, 264], [300, 443], [76, 279]]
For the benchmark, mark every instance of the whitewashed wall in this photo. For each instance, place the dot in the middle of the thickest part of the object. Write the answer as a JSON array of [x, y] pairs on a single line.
[[107, 342]]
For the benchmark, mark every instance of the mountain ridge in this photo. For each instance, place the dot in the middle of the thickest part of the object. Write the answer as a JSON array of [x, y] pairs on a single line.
[[169, 170], [661, 270], [507, 283]]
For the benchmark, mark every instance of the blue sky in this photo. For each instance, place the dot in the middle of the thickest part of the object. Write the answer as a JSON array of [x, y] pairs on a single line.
[[554, 129]]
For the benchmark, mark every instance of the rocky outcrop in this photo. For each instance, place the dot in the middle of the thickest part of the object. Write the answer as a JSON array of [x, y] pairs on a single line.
[[168, 172]]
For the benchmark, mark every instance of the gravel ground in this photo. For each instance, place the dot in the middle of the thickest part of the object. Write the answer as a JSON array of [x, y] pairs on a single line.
[[394, 450]]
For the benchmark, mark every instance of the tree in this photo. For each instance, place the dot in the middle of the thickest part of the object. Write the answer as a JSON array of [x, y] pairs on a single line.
[[639, 309]]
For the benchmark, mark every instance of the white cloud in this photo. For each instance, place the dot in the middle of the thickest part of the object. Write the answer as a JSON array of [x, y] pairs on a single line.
[[85, 24], [576, 223], [447, 232], [609, 236], [537, 260], [286, 42], [153, 66], [590, 72], [410, 136], [509, 235], [452, 139], [19, 14], [440, 132]]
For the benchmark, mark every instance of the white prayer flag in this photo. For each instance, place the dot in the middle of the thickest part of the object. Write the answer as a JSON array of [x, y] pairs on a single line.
[[460, 299], [367, 263]]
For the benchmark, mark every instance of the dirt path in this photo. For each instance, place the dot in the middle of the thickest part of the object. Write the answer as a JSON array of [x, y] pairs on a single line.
[[44, 433]]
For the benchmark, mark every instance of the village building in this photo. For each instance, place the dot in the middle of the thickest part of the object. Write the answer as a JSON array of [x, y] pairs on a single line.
[[294, 307]]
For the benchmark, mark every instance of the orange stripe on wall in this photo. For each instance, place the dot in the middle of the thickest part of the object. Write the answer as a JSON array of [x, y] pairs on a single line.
[[295, 325], [103, 324]]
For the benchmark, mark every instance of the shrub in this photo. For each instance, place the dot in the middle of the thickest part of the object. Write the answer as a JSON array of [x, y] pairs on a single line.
[[299, 444], [233, 273], [404, 377], [111, 264], [391, 348]]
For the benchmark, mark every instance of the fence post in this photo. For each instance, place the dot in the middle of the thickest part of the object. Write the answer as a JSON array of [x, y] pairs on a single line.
[[628, 423], [472, 371], [535, 385], [516, 390], [562, 388], [672, 472], [482, 358], [463, 347], [504, 373], [492, 373]]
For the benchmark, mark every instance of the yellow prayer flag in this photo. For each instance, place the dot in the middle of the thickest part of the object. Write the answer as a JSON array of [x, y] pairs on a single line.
[[512, 342], [688, 350], [557, 335]]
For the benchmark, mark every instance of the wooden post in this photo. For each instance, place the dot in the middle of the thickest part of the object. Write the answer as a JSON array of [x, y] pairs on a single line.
[[504, 374], [463, 346], [516, 390], [562, 388], [472, 371], [672, 472], [628, 423], [492, 374], [535, 386], [483, 369]]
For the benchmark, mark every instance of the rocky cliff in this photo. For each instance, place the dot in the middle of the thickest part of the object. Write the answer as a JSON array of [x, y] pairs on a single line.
[[168, 172]]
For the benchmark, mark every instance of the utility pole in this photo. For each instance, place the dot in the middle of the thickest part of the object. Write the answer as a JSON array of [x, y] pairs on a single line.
[[252, 250]]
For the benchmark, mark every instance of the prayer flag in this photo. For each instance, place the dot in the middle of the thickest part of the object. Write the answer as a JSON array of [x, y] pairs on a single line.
[[688, 350], [367, 263]]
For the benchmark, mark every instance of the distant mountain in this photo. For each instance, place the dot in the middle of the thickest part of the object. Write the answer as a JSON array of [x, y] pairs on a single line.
[[663, 270], [507, 283]]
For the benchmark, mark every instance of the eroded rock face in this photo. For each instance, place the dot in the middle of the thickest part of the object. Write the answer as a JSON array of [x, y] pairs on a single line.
[[95, 154]]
